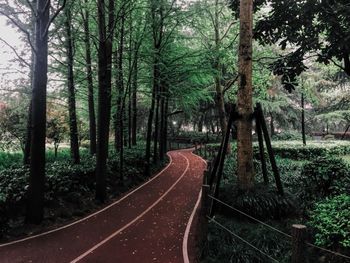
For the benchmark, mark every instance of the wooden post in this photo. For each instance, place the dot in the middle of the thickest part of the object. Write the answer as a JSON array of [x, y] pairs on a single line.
[[269, 149], [202, 229], [299, 236], [221, 161], [261, 148]]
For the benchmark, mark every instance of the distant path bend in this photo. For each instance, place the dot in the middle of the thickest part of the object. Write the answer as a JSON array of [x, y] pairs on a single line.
[[149, 224]]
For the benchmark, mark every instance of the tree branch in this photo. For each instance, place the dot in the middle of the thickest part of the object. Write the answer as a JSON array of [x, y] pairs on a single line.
[[20, 27], [31, 7], [53, 18], [15, 51]]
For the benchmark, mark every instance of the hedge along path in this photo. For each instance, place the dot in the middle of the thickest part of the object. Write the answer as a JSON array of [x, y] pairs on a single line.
[[146, 225]]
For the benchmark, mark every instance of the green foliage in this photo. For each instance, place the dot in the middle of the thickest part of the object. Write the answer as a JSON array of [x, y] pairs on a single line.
[[288, 136], [263, 202], [8, 160], [295, 149], [326, 176], [331, 220], [224, 248], [193, 136], [13, 124]]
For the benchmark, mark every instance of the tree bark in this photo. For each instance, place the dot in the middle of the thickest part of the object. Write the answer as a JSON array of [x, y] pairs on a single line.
[[35, 204], [104, 94], [303, 118], [220, 100], [26, 154], [134, 102], [244, 99], [156, 130], [151, 114], [91, 102], [73, 126]]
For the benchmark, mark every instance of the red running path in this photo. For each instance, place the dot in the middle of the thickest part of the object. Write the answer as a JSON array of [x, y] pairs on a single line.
[[149, 224]]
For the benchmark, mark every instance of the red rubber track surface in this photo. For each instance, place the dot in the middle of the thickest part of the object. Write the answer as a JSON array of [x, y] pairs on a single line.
[[146, 226]]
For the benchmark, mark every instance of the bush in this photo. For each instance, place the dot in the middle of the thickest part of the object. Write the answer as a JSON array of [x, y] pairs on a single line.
[[288, 136], [325, 176], [263, 202], [8, 160], [64, 178], [295, 149], [331, 220], [224, 248]]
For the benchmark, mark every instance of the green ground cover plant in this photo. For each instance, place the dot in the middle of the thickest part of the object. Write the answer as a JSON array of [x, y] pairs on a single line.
[[69, 188], [316, 181]]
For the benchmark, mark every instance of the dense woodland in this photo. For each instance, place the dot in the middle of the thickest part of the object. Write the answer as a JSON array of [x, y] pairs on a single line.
[[104, 88]]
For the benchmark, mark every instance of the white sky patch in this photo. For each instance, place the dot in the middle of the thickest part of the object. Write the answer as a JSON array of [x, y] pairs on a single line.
[[10, 71]]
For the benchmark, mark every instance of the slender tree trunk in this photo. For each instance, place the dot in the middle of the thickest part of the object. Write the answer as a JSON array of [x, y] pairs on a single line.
[[131, 69], [134, 102], [303, 118], [119, 130], [346, 131], [156, 131], [26, 152], [73, 126], [35, 204], [200, 123], [91, 102], [162, 128], [220, 100], [272, 126], [151, 114], [245, 98], [26, 155], [104, 94]]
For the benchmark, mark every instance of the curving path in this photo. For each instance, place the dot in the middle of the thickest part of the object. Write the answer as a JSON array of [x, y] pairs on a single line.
[[152, 223]]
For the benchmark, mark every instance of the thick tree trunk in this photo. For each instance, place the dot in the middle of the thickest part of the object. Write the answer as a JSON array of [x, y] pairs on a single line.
[[73, 126], [35, 204], [91, 102], [104, 95], [245, 98]]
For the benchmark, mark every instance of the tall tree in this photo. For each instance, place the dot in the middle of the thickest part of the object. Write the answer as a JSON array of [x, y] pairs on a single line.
[[73, 126], [85, 13], [35, 204], [245, 168], [105, 49]]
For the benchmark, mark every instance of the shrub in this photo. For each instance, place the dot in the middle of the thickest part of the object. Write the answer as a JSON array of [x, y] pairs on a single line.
[[295, 149], [288, 136], [331, 220], [263, 202], [223, 247], [8, 160], [325, 176]]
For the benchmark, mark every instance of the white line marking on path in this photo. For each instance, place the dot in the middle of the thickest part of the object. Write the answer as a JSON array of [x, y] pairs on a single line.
[[94, 214], [190, 221], [188, 229], [135, 219]]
